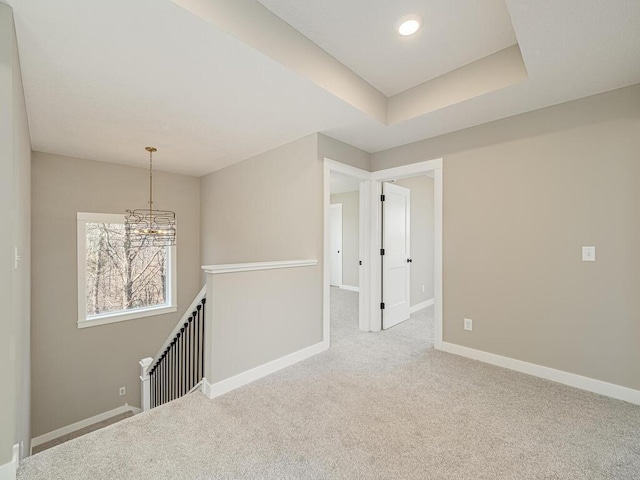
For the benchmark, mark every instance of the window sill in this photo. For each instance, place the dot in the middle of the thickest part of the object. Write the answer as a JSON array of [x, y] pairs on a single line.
[[123, 317]]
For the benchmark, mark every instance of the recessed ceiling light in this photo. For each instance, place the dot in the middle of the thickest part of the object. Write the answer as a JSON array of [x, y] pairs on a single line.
[[409, 25]]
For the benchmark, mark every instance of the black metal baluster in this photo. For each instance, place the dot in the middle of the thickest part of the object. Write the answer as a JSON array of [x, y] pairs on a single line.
[[193, 351], [196, 341], [168, 374], [164, 377], [155, 387], [186, 359], [168, 368], [200, 345], [199, 349], [171, 374], [179, 364], [174, 380], [176, 368], [184, 335], [185, 368], [197, 360], [187, 355], [204, 321], [167, 362], [160, 382], [190, 354], [192, 325]]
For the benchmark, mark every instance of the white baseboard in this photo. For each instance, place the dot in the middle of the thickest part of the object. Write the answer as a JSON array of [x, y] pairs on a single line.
[[8, 470], [47, 437], [350, 288], [578, 381], [244, 378], [419, 306]]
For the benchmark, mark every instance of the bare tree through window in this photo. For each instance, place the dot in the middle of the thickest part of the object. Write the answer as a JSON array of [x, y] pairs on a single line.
[[119, 275]]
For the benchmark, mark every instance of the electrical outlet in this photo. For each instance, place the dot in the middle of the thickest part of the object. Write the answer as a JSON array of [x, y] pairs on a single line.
[[422, 288], [468, 324], [588, 254], [123, 391]]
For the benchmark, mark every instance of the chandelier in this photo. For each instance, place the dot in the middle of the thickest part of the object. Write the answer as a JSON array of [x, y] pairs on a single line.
[[149, 227]]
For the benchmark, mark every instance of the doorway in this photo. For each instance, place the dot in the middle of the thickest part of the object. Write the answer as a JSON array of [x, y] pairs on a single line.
[[370, 279], [344, 257], [432, 168]]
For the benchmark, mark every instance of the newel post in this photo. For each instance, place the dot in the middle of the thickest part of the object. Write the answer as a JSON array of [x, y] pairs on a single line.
[[208, 377], [145, 385]]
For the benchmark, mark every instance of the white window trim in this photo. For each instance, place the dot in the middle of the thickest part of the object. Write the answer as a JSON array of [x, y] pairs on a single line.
[[113, 317]]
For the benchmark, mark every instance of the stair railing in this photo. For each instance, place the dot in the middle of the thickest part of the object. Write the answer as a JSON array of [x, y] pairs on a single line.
[[178, 366]]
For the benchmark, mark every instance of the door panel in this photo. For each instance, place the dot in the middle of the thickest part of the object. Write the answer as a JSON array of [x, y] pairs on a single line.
[[396, 273], [335, 243]]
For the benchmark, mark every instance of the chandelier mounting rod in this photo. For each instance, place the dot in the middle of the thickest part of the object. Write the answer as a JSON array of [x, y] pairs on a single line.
[[151, 150]]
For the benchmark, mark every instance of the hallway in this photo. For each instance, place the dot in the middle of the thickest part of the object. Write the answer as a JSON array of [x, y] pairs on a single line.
[[417, 332]]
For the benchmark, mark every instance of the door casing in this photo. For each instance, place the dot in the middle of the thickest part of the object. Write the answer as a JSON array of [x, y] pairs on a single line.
[[370, 287]]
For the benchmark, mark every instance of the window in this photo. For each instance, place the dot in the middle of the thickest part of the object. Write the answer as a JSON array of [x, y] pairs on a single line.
[[118, 281]]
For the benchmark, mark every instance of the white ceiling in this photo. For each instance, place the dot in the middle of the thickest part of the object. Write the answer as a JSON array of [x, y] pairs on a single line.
[[362, 35], [104, 79]]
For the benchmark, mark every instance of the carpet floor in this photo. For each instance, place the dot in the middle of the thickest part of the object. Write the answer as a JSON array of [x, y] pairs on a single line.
[[78, 433], [376, 405]]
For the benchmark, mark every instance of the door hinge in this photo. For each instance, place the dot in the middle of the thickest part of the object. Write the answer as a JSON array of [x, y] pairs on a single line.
[[382, 198], [382, 306], [382, 251]]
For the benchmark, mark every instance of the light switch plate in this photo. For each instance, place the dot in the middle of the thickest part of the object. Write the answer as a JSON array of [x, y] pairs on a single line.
[[588, 254], [468, 324]]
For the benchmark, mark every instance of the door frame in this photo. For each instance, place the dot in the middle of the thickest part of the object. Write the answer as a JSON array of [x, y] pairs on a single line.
[[337, 206], [370, 278], [364, 179], [421, 168]]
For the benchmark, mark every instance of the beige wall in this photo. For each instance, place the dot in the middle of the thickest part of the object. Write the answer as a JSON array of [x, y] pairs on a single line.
[[266, 208], [76, 373], [421, 218], [521, 197], [261, 316], [342, 152], [350, 236], [15, 166]]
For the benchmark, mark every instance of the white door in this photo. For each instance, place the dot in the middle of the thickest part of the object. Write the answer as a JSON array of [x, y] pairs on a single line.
[[335, 243], [396, 260]]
